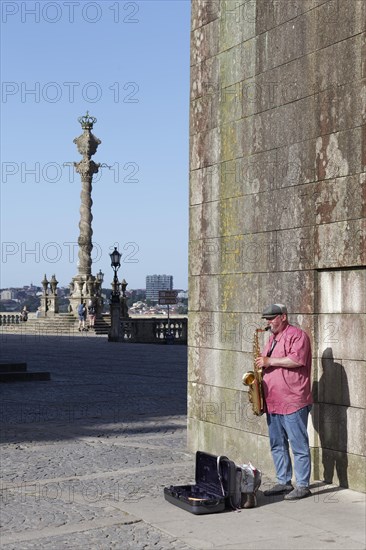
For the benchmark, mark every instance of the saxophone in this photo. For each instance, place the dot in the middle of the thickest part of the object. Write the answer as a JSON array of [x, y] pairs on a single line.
[[254, 379]]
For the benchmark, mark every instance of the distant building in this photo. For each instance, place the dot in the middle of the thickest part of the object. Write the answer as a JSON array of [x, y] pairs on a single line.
[[8, 294], [154, 283]]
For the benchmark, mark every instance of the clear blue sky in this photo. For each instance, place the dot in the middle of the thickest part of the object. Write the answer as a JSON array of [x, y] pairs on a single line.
[[127, 63]]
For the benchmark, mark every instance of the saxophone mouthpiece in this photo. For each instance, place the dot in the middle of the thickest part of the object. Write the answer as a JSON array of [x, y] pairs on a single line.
[[263, 329]]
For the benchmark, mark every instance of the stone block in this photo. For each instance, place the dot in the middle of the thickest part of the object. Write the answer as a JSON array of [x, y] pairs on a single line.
[[205, 220], [302, 77], [294, 206], [203, 12], [342, 337], [342, 20], [235, 139], [204, 42], [339, 108], [238, 22], [272, 14], [326, 71], [223, 368], [342, 428], [341, 382], [223, 330], [204, 294], [229, 292], [295, 249], [249, 175], [340, 244], [238, 63], [205, 149], [204, 113], [230, 104], [295, 164], [285, 42], [354, 381], [205, 78], [339, 199], [292, 288], [239, 446], [342, 291], [341, 468], [338, 154], [205, 184]]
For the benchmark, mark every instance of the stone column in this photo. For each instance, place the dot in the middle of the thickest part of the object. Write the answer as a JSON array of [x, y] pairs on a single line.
[[83, 283]]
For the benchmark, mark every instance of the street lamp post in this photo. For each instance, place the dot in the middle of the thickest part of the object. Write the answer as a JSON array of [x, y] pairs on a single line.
[[115, 334], [124, 308], [99, 278]]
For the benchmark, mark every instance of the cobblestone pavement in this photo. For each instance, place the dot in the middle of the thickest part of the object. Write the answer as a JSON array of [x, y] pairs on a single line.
[[107, 431]]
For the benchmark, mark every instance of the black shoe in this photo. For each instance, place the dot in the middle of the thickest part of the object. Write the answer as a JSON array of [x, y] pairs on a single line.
[[278, 489], [297, 493]]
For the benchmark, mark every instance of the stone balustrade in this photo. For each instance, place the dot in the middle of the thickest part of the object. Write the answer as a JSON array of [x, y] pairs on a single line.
[[10, 319], [150, 331], [134, 330]]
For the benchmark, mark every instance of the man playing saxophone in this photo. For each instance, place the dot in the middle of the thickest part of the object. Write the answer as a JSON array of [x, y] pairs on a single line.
[[286, 364]]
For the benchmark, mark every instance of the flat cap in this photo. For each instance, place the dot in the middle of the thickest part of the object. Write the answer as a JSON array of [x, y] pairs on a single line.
[[270, 312]]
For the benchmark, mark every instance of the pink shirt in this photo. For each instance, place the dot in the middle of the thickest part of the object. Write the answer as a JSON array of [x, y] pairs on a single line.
[[288, 390]]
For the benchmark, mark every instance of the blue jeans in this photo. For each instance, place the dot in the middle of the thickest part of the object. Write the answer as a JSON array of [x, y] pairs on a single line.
[[290, 428]]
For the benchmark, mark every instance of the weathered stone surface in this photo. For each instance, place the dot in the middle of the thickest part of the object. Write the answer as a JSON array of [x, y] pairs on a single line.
[[343, 334], [278, 200], [340, 381], [342, 291], [203, 12], [342, 428], [240, 445], [340, 244], [345, 469]]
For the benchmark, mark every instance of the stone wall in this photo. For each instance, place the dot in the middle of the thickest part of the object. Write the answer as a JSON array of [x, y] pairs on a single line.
[[277, 214]]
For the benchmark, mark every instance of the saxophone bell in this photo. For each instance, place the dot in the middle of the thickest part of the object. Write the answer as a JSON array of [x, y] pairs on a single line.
[[248, 378], [254, 379]]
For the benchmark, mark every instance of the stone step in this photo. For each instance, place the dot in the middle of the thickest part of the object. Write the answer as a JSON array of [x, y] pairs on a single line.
[[17, 372], [11, 367], [62, 323], [24, 376]]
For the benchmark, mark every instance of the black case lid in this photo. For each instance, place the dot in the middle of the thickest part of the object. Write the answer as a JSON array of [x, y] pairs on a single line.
[[207, 475]]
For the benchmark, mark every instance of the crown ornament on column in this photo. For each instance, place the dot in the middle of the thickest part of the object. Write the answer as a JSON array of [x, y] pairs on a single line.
[[87, 143], [87, 121]]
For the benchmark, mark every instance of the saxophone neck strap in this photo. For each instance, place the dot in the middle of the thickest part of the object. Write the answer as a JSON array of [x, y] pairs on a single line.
[[274, 342]]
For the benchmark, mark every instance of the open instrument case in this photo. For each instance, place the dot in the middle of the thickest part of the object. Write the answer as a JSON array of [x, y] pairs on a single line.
[[214, 488]]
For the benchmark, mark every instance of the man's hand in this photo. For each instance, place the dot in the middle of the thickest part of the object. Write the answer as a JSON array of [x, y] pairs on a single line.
[[262, 362]]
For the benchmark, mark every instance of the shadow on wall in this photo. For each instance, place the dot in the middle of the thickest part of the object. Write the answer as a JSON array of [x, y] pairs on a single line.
[[331, 394]]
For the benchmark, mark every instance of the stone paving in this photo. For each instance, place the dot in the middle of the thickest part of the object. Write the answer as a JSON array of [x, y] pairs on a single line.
[[108, 430], [86, 455]]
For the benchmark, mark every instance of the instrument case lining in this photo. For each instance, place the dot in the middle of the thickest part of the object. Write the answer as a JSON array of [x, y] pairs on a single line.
[[212, 496]]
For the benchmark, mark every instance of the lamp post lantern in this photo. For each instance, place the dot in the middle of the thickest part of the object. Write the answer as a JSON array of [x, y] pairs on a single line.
[[115, 334], [100, 277], [115, 264]]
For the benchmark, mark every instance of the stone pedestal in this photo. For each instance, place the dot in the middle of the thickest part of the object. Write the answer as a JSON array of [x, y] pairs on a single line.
[[49, 299], [115, 333]]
